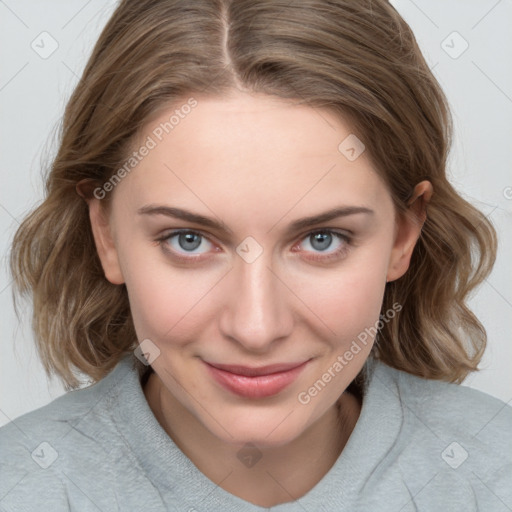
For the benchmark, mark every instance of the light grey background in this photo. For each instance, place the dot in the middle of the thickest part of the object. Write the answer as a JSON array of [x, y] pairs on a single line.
[[34, 88]]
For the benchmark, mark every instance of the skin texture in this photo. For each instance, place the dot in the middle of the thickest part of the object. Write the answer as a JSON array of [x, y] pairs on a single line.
[[255, 163]]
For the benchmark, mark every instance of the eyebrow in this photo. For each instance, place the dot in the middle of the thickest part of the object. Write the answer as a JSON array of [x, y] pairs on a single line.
[[210, 222]]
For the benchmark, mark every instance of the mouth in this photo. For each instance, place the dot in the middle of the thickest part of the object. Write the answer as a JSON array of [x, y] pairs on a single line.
[[255, 382]]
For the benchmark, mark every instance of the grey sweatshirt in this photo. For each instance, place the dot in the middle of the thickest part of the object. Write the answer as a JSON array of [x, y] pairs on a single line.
[[418, 445]]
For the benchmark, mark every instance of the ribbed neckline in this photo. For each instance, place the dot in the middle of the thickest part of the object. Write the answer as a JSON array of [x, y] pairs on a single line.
[[175, 475]]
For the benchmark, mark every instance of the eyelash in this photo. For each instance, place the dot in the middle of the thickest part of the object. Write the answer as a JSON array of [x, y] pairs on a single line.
[[337, 254]]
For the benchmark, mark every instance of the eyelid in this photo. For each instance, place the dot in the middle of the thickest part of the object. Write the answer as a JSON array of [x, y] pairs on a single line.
[[176, 231], [345, 232], [346, 236]]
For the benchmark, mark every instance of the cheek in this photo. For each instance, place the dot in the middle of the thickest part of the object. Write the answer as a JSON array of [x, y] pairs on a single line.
[[152, 292], [347, 299], [164, 299]]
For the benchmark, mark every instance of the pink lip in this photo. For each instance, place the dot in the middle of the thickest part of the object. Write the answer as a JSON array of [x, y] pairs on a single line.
[[255, 382]]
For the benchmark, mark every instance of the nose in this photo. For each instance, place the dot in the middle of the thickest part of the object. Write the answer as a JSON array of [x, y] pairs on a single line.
[[257, 311]]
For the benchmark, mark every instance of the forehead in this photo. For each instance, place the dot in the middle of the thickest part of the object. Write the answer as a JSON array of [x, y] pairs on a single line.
[[247, 122], [254, 151]]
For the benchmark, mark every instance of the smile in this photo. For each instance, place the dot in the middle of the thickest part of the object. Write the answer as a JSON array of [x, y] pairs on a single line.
[[255, 382]]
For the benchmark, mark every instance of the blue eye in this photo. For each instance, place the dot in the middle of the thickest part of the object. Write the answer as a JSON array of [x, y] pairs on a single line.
[[183, 242], [192, 246], [321, 240]]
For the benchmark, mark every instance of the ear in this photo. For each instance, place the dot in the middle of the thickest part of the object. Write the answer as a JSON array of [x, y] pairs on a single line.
[[408, 229], [102, 232]]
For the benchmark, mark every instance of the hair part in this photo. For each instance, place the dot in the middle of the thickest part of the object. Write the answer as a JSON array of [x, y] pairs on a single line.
[[359, 59]]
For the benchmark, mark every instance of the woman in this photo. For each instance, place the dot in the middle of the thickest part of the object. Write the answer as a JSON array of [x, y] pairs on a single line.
[[250, 245]]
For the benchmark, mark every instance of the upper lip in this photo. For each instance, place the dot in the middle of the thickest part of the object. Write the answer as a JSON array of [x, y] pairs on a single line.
[[256, 371]]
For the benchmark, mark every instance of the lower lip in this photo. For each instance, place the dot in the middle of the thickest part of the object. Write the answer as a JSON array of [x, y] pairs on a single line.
[[261, 386]]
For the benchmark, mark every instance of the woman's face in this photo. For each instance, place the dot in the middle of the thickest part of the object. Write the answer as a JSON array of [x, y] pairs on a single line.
[[252, 280]]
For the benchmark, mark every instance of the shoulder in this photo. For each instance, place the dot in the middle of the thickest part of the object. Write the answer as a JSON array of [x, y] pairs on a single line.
[[75, 409], [40, 449], [458, 437], [455, 409]]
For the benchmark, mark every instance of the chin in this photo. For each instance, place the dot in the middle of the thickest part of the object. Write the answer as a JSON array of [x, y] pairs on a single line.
[[263, 430]]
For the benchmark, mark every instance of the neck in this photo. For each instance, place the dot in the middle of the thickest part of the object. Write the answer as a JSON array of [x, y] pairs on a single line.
[[280, 475]]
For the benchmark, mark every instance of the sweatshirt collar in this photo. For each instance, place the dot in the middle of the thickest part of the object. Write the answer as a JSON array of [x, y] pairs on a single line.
[[180, 481]]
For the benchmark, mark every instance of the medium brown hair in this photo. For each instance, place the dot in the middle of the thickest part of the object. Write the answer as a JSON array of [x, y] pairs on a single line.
[[357, 59]]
